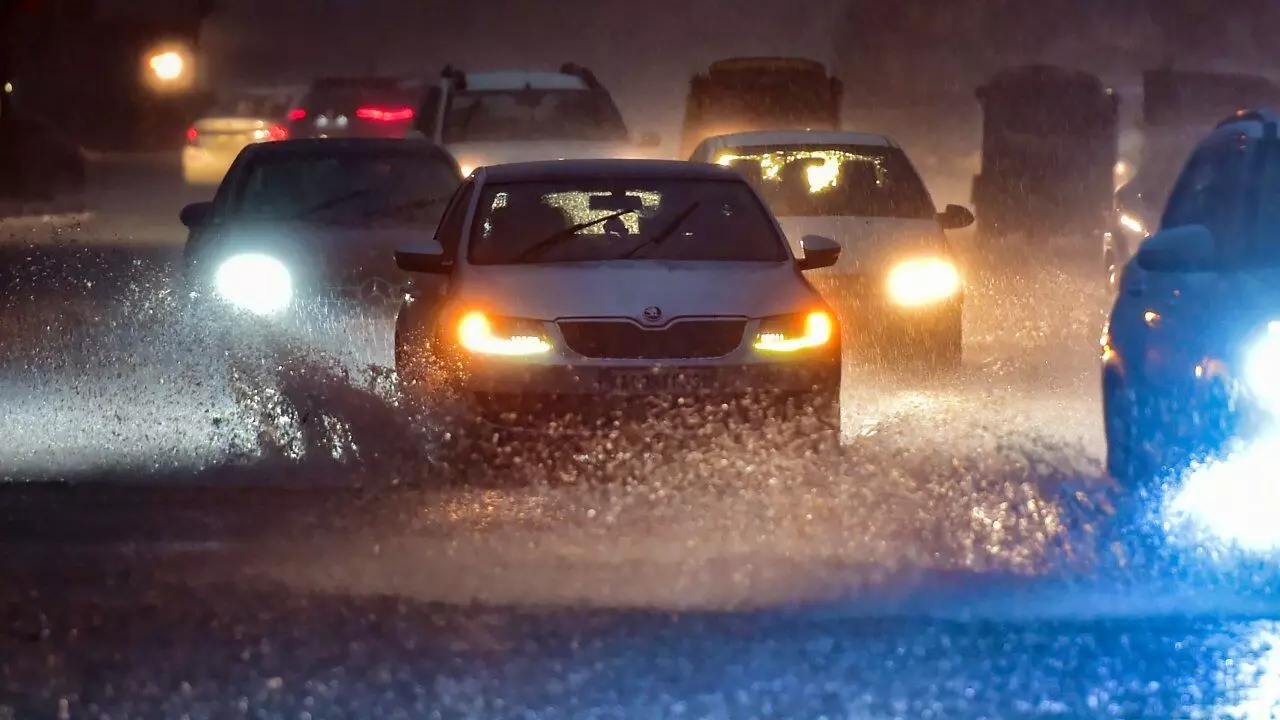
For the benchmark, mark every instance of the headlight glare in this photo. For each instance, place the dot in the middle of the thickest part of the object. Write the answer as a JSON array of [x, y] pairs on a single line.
[[477, 333], [1262, 369], [925, 281], [257, 283], [789, 333]]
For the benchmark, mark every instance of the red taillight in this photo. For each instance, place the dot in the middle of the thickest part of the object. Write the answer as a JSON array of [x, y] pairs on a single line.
[[278, 132], [193, 136], [297, 114], [385, 114]]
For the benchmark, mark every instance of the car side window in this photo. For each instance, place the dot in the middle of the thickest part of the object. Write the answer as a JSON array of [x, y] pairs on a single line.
[[1209, 190], [452, 224]]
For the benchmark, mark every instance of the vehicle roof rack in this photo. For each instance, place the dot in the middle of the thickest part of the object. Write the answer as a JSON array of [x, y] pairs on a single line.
[[1266, 117], [587, 76], [455, 76]]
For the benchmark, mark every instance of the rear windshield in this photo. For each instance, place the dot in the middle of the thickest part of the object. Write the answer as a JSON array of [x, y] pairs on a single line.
[[348, 95], [834, 180], [263, 106], [345, 187]]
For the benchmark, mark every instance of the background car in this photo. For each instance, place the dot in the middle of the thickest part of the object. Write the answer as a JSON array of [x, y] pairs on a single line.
[[306, 221], [1191, 353], [897, 280], [487, 118], [239, 118], [337, 107], [596, 279]]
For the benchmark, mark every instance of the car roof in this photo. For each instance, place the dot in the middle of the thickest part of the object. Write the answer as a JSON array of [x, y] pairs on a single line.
[[801, 137], [552, 170], [321, 146], [519, 79], [1252, 123]]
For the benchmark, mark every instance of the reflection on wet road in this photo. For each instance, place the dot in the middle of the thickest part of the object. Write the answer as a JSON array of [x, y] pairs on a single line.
[[202, 565]]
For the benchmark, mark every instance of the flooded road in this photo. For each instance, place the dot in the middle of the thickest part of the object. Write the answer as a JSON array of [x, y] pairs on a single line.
[[160, 563]]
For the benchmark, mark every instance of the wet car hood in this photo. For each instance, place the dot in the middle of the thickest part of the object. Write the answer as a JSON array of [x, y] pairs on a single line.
[[868, 245], [625, 288]]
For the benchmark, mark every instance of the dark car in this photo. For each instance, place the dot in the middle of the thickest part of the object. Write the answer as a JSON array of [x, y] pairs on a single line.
[[380, 107], [298, 222]]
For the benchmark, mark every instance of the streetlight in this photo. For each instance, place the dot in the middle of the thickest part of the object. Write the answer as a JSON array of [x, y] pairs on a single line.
[[168, 68]]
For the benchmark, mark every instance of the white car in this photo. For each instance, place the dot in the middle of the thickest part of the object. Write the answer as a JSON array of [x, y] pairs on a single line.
[[238, 119], [897, 274], [489, 118], [1191, 352], [594, 279]]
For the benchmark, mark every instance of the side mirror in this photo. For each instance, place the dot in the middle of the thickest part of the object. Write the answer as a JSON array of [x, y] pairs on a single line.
[[649, 140], [425, 257], [196, 215], [955, 217], [819, 252], [1189, 248]]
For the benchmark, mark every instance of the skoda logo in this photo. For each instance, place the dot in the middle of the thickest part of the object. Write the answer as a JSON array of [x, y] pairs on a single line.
[[652, 314]]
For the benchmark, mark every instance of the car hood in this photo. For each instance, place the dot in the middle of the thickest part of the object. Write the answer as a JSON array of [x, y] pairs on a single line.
[[624, 288], [338, 253], [868, 245], [495, 153]]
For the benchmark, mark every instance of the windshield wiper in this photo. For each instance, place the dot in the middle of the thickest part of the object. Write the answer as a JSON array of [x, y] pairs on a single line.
[[666, 232], [411, 205], [334, 202], [560, 236]]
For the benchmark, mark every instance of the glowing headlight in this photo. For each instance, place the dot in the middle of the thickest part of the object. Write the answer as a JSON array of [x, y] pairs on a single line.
[[467, 168], [260, 284], [789, 333], [477, 334], [922, 282], [1134, 224], [1262, 368]]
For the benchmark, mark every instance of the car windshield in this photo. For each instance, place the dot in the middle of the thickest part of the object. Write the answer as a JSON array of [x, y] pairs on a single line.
[[531, 114], [834, 180], [351, 187], [677, 220]]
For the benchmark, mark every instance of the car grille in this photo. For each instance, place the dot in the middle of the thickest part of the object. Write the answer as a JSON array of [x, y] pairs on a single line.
[[624, 340]]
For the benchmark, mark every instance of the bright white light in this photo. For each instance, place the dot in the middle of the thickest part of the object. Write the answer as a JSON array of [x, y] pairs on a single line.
[[1234, 501], [1262, 371], [922, 282], [259, 284], [167, 65]]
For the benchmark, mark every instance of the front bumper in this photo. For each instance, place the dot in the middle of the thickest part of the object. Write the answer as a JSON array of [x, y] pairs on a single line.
[[630, 379]]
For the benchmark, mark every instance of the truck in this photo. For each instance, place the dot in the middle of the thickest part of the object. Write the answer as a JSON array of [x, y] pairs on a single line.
[[760, 93]]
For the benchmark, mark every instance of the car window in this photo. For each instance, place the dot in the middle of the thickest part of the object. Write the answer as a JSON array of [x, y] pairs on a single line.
[[677, 220], [356, 187], [851, 180], [453, 223], [1209, 190], [349, 95], [509, 115]]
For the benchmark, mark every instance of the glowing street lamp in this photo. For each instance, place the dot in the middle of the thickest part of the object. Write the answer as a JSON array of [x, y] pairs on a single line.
[[168, 68]]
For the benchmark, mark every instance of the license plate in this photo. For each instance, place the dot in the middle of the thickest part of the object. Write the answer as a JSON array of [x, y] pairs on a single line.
[[633, 382]]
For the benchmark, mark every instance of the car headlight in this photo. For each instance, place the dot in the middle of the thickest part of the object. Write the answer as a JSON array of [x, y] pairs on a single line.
[[257, 283], [485, 335], [1132, 223], [924, 281], [789, 333], [467, 168], [1262, 368]]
